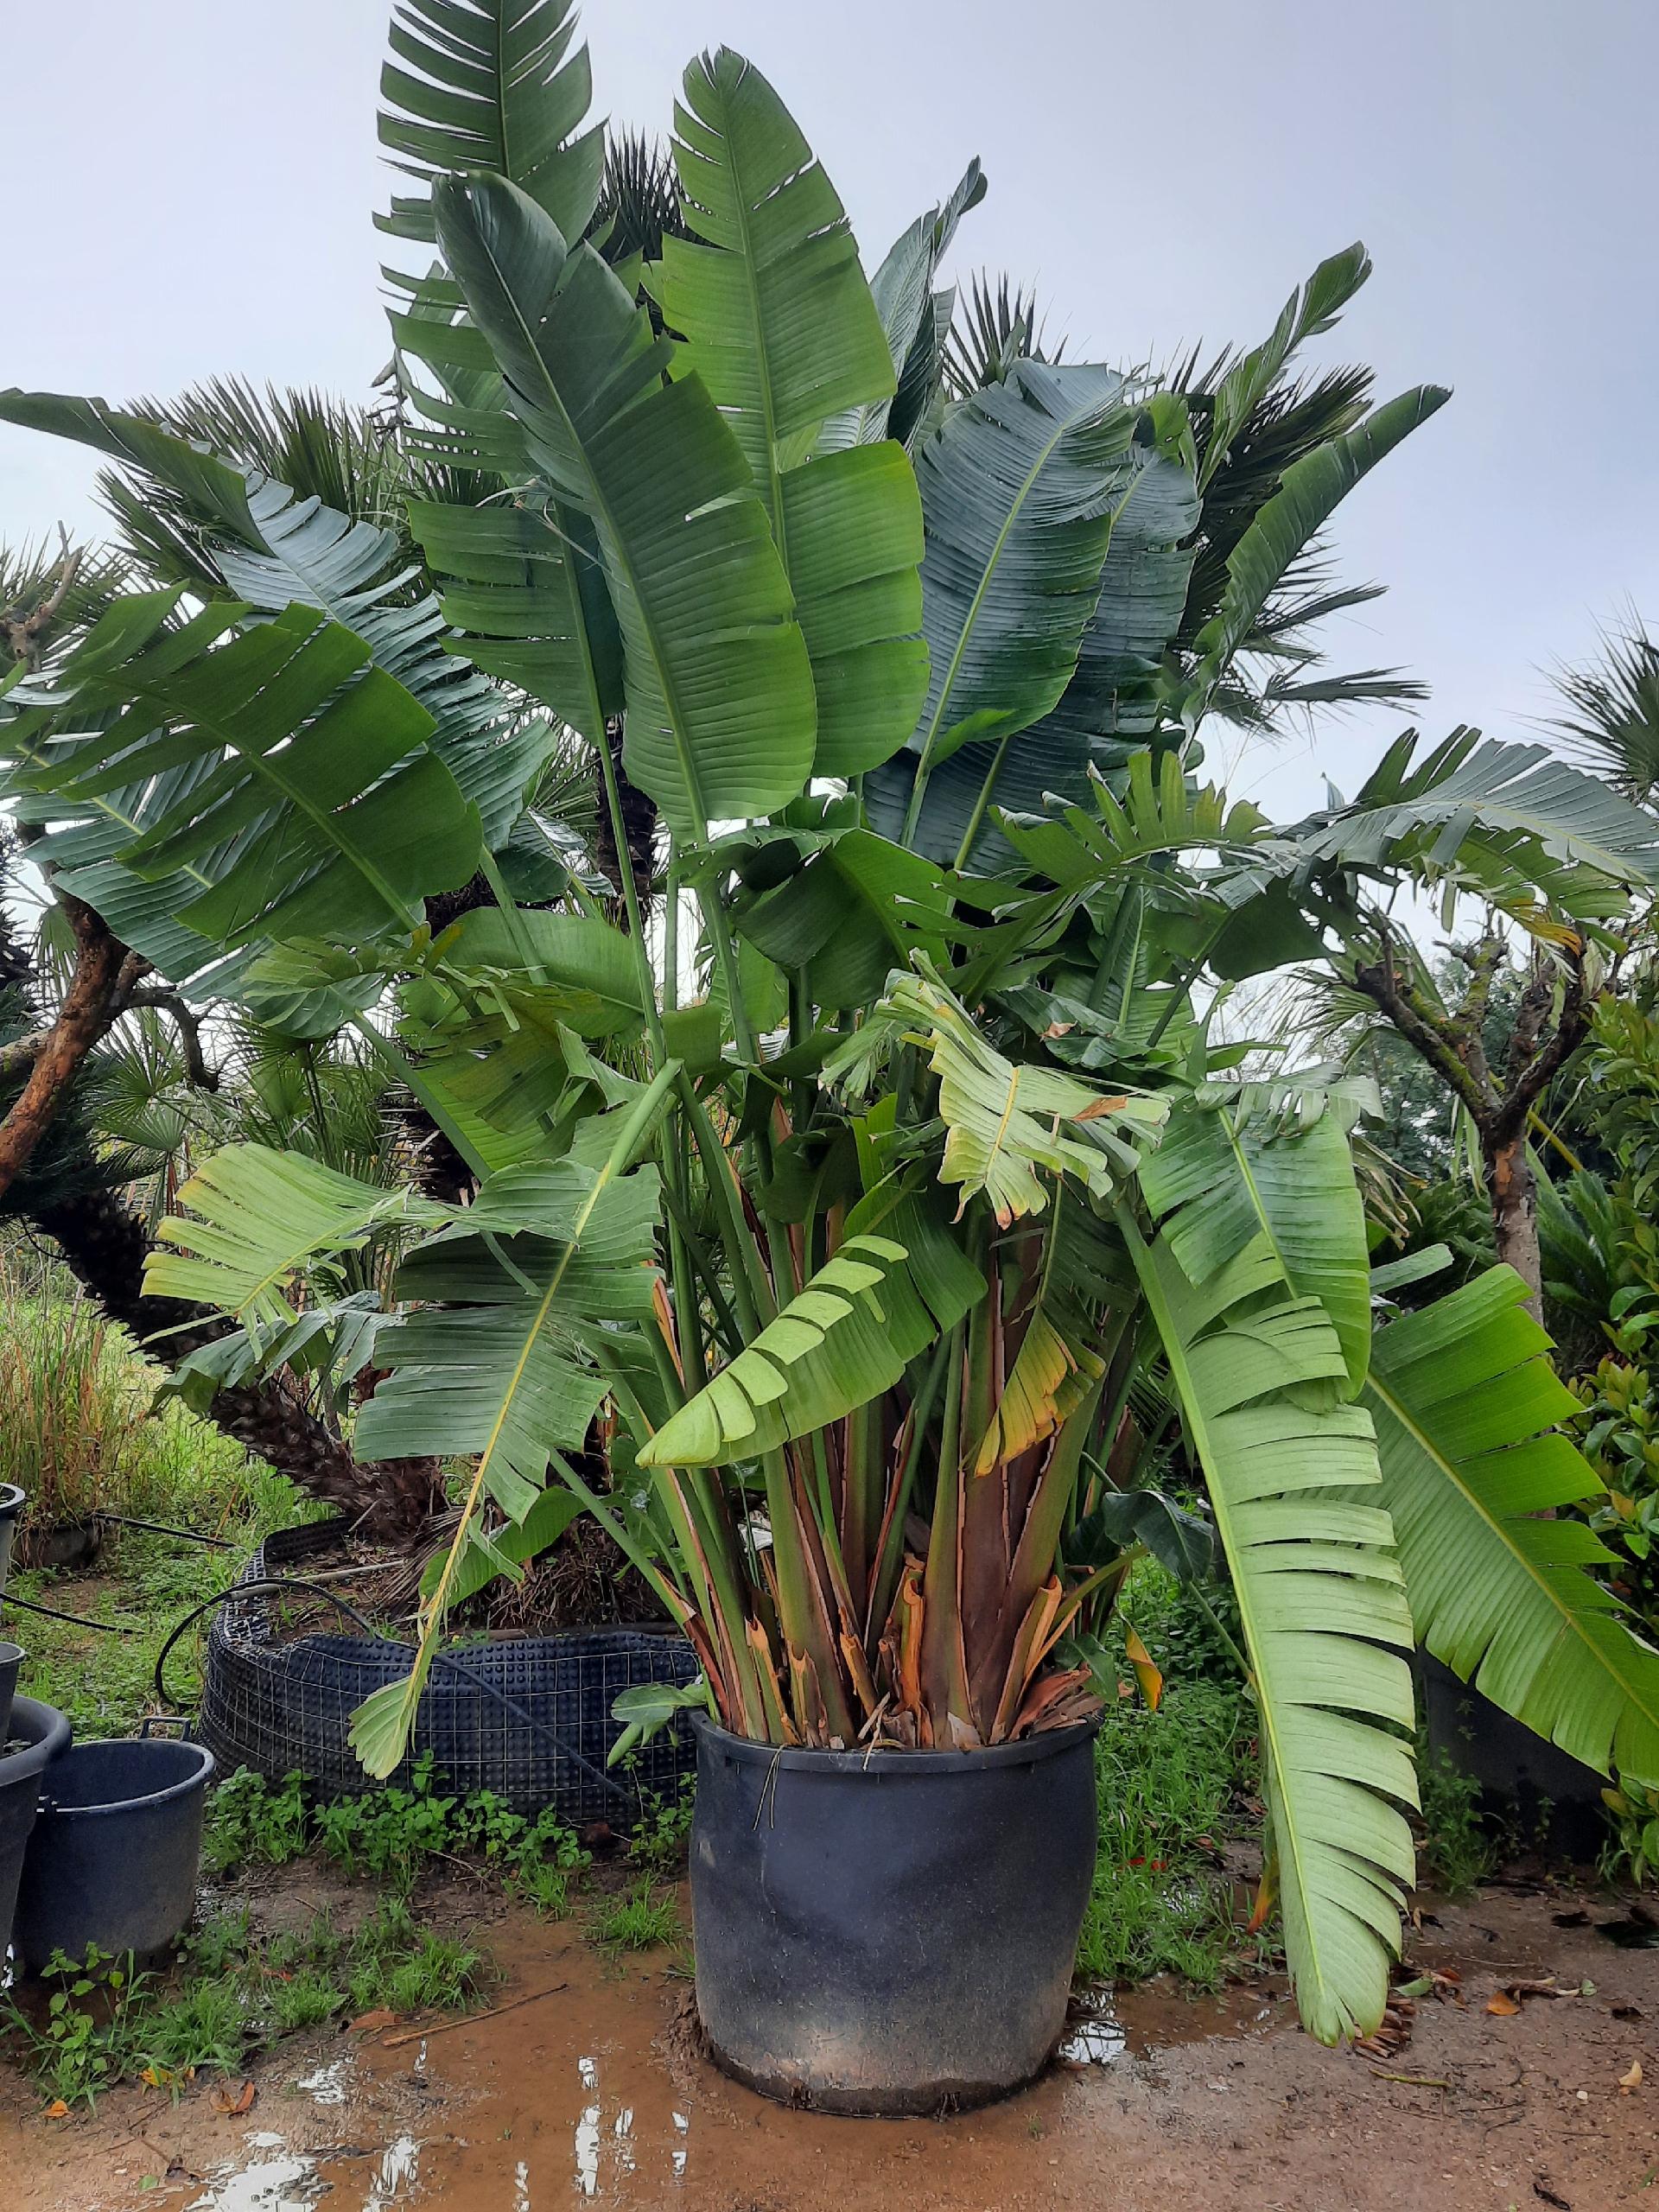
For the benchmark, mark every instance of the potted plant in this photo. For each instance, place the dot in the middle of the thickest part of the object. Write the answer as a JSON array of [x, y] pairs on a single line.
[[863, 1180]]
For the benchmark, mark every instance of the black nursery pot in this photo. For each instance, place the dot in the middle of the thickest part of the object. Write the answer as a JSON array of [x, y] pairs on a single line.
[[38, 1734], [889, 1932]]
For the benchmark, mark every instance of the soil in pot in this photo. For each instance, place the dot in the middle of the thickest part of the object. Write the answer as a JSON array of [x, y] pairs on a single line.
[[889, 1932]]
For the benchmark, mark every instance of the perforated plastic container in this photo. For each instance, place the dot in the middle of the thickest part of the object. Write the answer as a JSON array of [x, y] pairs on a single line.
[[529, 1718]]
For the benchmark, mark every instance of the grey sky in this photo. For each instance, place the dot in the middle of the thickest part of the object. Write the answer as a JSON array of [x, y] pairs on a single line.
[[190, 186]]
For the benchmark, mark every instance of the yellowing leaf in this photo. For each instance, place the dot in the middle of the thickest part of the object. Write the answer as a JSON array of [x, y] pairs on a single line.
[[1630, 2081], [1502, 2004], [1146, 1670]]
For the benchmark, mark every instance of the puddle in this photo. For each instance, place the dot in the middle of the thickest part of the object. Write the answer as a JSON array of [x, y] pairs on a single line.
[[329, 2085], [1094, 2034], [275, 2180], [399, 2171]]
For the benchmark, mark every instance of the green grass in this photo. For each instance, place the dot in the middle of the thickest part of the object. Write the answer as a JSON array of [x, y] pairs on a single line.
[[1168, 1787], [142, 1587], [232, 1995], [639, 1921]]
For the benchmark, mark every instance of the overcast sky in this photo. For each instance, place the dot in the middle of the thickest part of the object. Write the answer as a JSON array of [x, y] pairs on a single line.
[[189, 187]]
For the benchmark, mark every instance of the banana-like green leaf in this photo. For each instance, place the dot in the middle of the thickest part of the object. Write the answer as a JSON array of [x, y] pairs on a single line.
[[845, 1338], [1052, 581], [275, 551], [545, 1257], [1309, 492], [858, 909], [1507, 813], [721, 718], [777, 320], [1012, 1129], [523, 582], [490, 85], [903, 288], [315, 808], [1017, 491], [1468, 1413], [1322, 1607], [1143, 586], [586, 975], [1221, 1177], [493, 1360], [1310, 310], [1155, 808], [259, 1218]]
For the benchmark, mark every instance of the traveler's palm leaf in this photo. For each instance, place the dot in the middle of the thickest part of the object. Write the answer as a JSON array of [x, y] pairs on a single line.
[[258, 1221], [843, 1340], [1325, 1621], [1223, 1176], [1468, 1412], [777, 320], [722, 720], [305, 800], [490, 85]]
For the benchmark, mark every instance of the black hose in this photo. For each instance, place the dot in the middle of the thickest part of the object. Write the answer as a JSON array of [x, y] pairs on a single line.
[[161, 1529], [76, 1620], [266, 1585]]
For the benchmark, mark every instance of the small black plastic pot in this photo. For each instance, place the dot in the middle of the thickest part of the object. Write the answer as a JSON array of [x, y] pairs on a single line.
[[38, 1734], [11, 1507], [888, 1932], [116, 1850]]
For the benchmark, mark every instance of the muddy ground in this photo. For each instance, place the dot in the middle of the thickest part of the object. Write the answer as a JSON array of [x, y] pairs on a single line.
[[593, 2092]]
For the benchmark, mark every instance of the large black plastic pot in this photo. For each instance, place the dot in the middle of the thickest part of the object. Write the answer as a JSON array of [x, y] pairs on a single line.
[[1531, 1791], [888, 1932], [39, 1733], [116, 1850]]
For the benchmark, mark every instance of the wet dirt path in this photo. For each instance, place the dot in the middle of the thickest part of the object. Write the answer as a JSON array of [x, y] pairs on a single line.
[[595, 2093]]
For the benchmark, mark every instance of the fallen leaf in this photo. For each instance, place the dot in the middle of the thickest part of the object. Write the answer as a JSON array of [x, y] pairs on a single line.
[[57, 2109], [1420, 1988], [366, 2024], [157, 2077], [1632, 2079], [234, 2102], [1502, 2004], [1543, 2190]]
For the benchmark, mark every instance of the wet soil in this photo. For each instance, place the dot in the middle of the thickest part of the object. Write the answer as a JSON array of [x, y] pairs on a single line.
[[594, 2092]]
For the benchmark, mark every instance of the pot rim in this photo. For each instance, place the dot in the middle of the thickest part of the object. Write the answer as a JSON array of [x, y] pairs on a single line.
[[12, 1500], [884, 1765], [167, 1795], [51, 1739]]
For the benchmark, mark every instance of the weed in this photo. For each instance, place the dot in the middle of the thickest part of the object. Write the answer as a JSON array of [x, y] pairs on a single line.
[[1632, 1851], [1457, 1853], [638, 1922], [232, 1996], [302, 2001], [251, 1823], [546, 1888], [659, 1837], [1166, 1784], [204, 2028]]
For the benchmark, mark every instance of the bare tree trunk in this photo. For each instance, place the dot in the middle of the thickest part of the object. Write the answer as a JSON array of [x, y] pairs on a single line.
[[1513, 1189], [90, 1004]]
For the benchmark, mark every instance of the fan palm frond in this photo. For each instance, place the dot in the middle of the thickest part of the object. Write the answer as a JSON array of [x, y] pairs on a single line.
[[1611, 722]]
